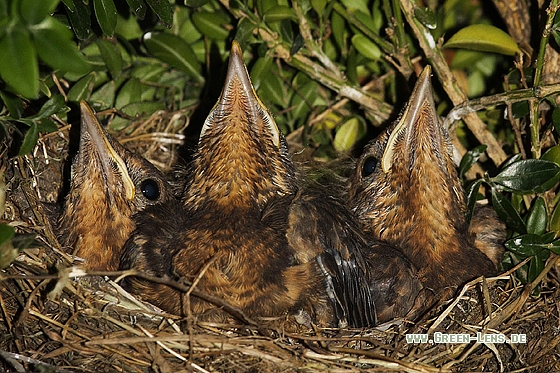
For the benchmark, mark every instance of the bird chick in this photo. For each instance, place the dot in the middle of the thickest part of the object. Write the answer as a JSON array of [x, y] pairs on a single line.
[[249, 234], [405, 191], [108, 185]]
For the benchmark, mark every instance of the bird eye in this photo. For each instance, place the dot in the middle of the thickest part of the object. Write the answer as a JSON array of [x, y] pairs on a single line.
[[150, 189], [369, 166]]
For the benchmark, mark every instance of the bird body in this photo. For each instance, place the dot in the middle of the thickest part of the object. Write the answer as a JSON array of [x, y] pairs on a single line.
[[108, 185], [232, 237], [251, 234], [405, 191]]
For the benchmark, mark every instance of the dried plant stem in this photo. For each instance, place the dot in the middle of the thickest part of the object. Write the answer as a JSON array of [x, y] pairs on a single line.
[[328, 75], [455, 93], [471, 106], [534, 104]]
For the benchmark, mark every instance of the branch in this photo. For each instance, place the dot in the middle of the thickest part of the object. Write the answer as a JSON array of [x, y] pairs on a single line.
[[455, 93]]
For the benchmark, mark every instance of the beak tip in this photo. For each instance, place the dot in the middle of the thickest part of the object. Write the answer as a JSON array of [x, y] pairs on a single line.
[[86, 111]]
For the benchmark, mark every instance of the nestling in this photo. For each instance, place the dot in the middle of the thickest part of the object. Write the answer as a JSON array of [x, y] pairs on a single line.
[[108, 185], [405, 190], [249, 233]]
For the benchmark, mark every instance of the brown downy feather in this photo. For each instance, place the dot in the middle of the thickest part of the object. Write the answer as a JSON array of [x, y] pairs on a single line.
[[255, 238], [405, 191], [108, 185]]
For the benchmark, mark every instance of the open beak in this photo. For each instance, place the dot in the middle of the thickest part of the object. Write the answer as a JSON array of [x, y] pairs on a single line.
[[239, 99], [418, 124], [91, 127]]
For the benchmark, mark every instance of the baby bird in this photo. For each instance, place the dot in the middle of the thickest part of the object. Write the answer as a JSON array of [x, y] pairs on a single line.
[[250, 234], [405, 190], [108, 185]]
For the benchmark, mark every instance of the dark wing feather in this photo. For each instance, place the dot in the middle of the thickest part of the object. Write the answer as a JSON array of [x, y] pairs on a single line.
[[150, 251], [323, 230]]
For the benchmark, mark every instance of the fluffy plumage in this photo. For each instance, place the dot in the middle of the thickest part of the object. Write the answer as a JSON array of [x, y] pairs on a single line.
[[405, 191], [249, 234], [108, 185]]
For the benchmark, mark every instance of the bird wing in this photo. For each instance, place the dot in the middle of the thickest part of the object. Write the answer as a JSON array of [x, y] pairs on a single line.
[[321, 229]]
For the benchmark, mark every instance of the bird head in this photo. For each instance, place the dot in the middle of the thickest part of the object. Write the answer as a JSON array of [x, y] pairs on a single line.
[[108, 185], [405, 185], [242, 157]]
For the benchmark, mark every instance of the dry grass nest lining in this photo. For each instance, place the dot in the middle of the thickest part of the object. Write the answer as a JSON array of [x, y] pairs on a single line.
[[56, 318]]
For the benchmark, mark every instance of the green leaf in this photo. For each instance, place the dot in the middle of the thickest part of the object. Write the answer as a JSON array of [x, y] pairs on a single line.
[[80, 19], [302, 101], [54, 105], [347, 134], [111, 56], [426, 16], [104, 97], [7, 252], [511, 160], [243, 33], [163, 10], [57, 49], [319, 6], [299, 42], [272, 89], [106, 14], [7, 232], [520, 109], [264, 5], [556, 118], [552, 154], [195, 3], [366, 47], [554, 246], [138, 7], [13, 103], [555, 220], [33, 11], [128, 29], [131, 91], [82, 88], [531, 244], [536, 266], [260, 70], [211, 25], [507, 212], [537, 220], [142, 108], [339, 30], [470, 158], [46, 125], [526, 175], [18, 64], [30, 139], [471, 193], [279, 13], [485, 38], [174, 51], [24, 241]]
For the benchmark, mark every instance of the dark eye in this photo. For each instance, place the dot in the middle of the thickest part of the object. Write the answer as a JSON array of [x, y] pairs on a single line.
[[369, 166], [150, 189]]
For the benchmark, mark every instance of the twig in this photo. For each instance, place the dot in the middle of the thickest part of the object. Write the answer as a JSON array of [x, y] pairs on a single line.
[[534, 107], [78, 272], [453, 90], [83, 336], [472, 106], [232, 310], [384, 361], [380, 111]]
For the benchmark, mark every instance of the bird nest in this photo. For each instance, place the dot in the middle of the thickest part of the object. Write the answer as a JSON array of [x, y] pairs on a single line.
[[57, 318]]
